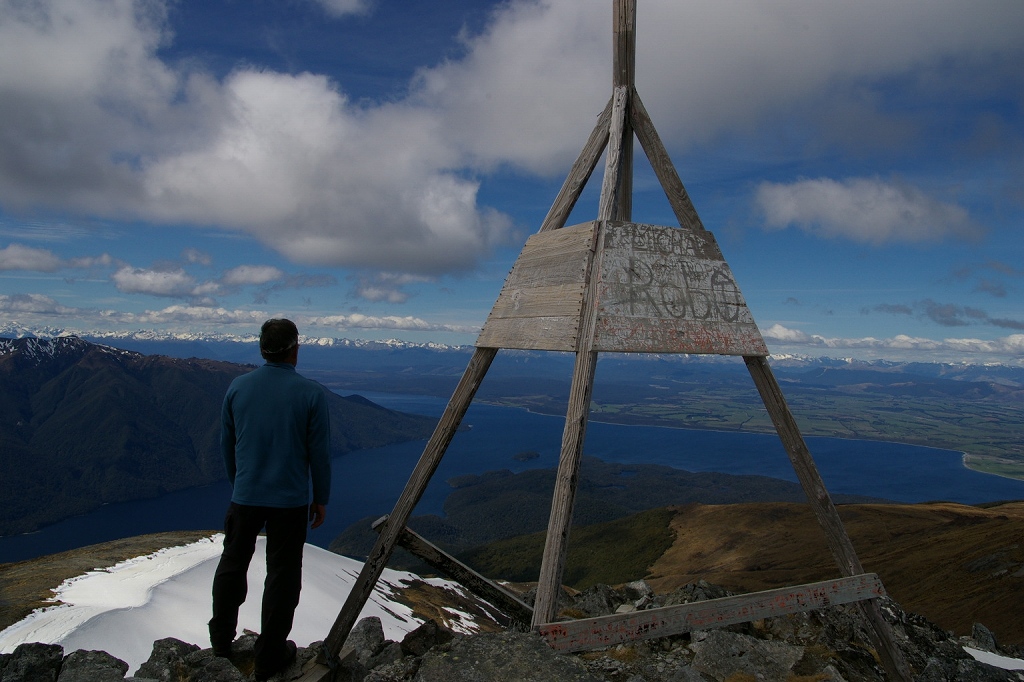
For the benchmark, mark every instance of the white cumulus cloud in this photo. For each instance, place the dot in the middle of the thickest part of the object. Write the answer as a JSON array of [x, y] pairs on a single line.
[[173, 283], [32, 304], [360, 321], [18, 257], [865, 210]]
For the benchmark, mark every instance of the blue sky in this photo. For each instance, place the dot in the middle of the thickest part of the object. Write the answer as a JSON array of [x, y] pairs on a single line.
[[371, 168]]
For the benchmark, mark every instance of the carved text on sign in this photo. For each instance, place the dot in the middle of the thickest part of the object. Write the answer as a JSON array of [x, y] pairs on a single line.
[[667, 289], [661, 272], [682, 289]]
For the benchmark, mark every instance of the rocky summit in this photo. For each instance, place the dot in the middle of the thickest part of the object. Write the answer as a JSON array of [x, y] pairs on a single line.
[[829, 645]]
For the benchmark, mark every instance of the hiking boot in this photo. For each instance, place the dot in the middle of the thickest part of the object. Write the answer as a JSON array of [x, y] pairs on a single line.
[[265, 673], [222, 650]]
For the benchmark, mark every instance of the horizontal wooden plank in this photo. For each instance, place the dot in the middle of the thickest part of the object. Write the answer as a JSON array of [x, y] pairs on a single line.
[[549, 270], [660, 239], [622, 334], [604, 631], [560, 300], [551, 258], [571, 238], [530, 333]]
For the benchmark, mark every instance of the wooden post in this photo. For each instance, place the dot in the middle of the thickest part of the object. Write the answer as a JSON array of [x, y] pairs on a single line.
[[610, 199], [567, 478], [552, 565], [624, 43], [428, 462], [824, 510], [624, 75]]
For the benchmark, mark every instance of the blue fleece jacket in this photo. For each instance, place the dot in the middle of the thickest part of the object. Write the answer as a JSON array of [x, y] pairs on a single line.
[[275, 435]]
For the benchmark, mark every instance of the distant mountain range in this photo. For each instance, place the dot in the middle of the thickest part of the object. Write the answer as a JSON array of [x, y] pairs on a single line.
[[242, 348], [83, 424]]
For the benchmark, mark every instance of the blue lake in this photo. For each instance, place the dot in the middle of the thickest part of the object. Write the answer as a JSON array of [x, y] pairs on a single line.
[[367, 483]]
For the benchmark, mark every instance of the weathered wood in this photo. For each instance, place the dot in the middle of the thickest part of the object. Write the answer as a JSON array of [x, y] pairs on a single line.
[[660, 290], [567, 477], [549, 269], [669, 290], [624, 43], [624, 74], [608, 202], [316, 670], [604, 631], [514, 607], [884, 641], [531, 333], [425, 467], [824, 510], [579, 174], [624, 193], [568, 242], [578, 292], [558, 300], [559, 257], [556, 543], [628, 335], [539, 305], [651, 143]]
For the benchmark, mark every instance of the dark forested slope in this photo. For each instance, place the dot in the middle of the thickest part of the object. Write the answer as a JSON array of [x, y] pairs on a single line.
[[83, 424]]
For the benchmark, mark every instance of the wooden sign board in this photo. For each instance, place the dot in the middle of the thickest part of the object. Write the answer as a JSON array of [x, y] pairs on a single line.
[[669, 290], [660, 290], [604, 631]]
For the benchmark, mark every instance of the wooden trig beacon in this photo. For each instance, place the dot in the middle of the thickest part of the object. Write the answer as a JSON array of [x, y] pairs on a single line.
[[612, 285]]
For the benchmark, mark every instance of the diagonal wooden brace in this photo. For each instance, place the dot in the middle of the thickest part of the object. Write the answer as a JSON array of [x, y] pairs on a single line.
[[515, 608]]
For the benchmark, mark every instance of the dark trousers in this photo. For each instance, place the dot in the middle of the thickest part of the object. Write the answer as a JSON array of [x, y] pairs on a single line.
[[286, 534]]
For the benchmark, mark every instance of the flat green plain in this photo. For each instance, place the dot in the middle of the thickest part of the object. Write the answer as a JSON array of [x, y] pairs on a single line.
[[989, 432]]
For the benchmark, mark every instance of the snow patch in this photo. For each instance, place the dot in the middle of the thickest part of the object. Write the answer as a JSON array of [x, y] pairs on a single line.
[[125, 608]]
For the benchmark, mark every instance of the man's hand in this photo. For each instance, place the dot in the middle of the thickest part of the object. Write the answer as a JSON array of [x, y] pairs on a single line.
[[317, 513]]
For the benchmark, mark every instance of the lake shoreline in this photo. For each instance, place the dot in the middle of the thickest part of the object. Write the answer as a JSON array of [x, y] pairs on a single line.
[[369, 481], [964, 456]]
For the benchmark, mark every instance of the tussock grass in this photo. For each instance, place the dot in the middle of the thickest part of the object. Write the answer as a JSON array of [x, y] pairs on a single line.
[[611, 553]]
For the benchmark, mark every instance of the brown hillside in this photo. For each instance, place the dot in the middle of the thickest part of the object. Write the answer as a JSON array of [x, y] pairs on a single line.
[[954, 564]]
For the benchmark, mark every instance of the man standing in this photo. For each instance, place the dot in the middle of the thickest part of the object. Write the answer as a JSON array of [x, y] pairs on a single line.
[[275, 434]]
